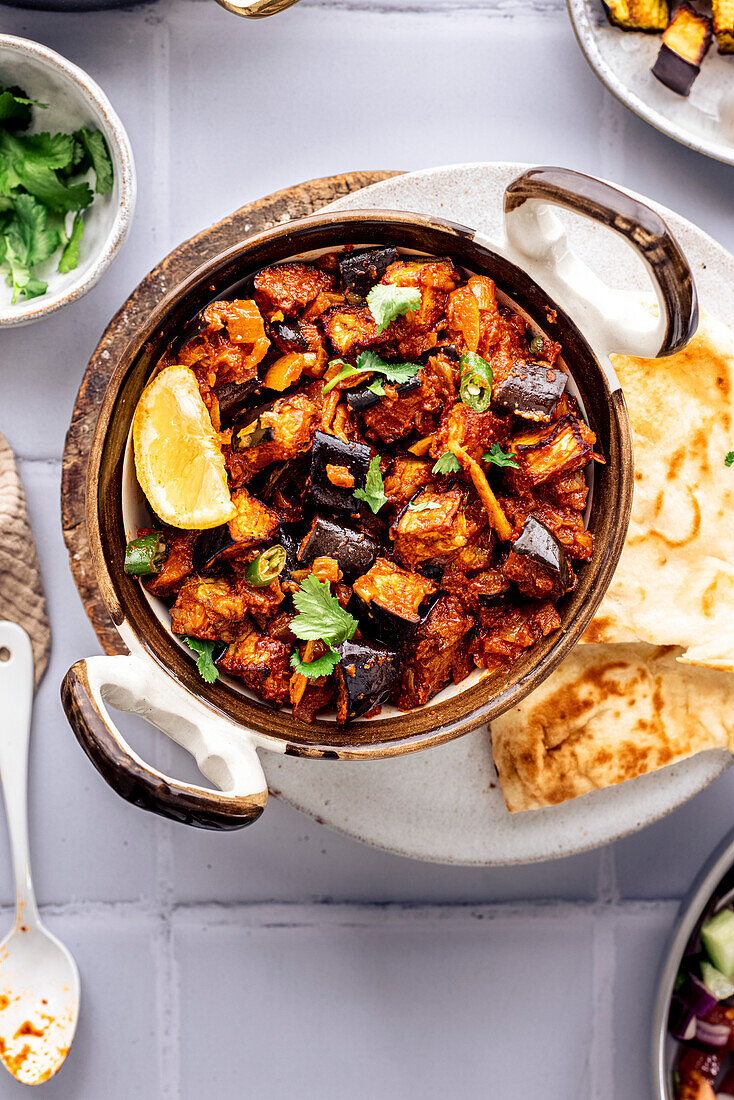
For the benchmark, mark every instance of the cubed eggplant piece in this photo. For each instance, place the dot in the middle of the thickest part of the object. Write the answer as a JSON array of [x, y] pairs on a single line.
[[360, 271], [290, 540], [723, 13], [531, 390], [650, 16], [288, 336], [354, 551], [329, 451], [449, 350], [391, 602], [253, 525], [252, 435], [554, 449], [249, 432], [494, 590], [363, 398], [541, 546], [685, 42], [365, 676], [234, 397]]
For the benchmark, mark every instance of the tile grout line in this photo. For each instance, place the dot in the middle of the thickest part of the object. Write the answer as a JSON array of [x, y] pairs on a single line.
[[290, 914], [603, 969], [612, 132], [168, 1036]]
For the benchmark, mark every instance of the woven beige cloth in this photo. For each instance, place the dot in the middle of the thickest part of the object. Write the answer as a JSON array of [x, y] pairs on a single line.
[[21, 591]]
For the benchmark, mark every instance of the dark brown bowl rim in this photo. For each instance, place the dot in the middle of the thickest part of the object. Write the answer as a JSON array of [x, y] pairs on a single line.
[[468, 708]]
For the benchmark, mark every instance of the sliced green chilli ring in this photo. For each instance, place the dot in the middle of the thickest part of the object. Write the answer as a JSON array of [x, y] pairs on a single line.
[[476, 382], [146, 555], [266, 567]]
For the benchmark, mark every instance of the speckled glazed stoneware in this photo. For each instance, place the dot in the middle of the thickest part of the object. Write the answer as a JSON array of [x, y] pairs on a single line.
[[73, 100], [623, 60], [220, 724]]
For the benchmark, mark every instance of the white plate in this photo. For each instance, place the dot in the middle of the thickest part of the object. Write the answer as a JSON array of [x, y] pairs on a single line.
[[622, 60], [444, 804]]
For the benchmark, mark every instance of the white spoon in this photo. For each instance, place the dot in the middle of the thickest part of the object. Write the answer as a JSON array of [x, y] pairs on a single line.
[[39, 981]]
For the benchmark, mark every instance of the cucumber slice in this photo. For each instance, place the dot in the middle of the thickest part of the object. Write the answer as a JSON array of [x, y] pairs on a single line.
[[718, 939], [717, 983]]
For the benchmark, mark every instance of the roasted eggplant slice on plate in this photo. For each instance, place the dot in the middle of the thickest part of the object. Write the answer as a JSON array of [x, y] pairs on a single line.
[[723, 11], [685, 42], [650, 16]]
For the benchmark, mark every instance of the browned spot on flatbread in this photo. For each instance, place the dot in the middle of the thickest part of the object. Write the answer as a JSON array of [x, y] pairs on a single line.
[[567, 706], [597, 629], [675, 463]]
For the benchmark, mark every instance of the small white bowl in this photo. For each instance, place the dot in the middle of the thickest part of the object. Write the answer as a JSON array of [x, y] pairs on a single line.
[[74, 100]]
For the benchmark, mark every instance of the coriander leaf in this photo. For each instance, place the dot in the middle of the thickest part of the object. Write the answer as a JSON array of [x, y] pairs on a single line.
[[448, 463], [320, 615], [45, 150], [374, 487], [8, 179], [205, 661], [79, 161], [729, 460], [97, 153], [394, 372], [423, 505], [322, 666], [377, 388], [371, 361], [20, 277], [346, 372], [70, 256], [46, 186], [15, 108], [387, 302], [28, 234], [496, 455]]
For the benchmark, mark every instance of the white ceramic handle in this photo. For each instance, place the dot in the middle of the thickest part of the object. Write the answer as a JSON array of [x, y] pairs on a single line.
[[612, 320], [224, 753], [16, 704]]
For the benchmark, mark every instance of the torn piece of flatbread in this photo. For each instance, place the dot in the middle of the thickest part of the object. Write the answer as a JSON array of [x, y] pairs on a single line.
[[675, 581], [609, 713]]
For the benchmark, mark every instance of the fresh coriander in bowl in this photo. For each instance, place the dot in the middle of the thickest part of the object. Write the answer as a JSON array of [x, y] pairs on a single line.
[[67, 182]]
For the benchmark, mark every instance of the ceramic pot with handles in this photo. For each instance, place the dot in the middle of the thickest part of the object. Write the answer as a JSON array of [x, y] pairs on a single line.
[[222, 725]]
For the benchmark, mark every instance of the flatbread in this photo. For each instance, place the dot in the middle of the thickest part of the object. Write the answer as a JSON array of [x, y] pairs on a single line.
[[675, 581], [607, 714]]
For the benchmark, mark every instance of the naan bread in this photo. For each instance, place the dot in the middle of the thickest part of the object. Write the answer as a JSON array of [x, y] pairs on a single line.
[[607, 714], [675, 581]]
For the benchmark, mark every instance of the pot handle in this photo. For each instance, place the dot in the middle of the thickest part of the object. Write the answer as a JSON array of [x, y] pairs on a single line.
[[224, 753], [617, 320], [258, 9]]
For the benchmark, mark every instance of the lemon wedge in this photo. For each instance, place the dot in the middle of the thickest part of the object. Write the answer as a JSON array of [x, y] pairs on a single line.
[[178, 459]]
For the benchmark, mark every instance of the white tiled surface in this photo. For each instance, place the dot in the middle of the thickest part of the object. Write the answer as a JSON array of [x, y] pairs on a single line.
[[288, 961]]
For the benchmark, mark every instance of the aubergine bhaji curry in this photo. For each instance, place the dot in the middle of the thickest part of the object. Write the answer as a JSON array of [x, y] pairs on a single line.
[[402, 473]]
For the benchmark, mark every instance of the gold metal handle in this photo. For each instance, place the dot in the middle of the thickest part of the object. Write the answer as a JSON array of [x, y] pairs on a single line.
[[260, 9]]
